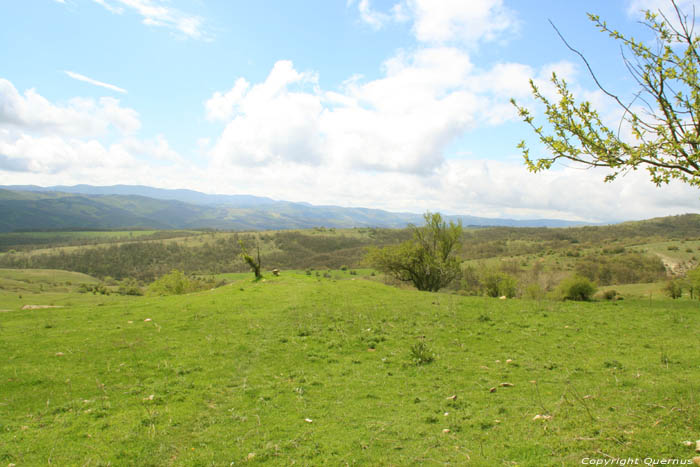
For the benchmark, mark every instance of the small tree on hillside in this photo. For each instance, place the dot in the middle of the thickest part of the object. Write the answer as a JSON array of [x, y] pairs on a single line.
[[252, 262], [693, 282], [429, 260]]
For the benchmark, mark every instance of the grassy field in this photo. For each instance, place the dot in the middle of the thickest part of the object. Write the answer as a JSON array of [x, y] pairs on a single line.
[[312, 370]]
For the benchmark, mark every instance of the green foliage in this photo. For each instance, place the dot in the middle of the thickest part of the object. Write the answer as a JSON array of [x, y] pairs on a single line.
[[625, 268], [421, 354], [429, 260], [254, 263], [665, 136], [499, 284], [177, 283], [130, 287], [693, 282], [530, 254], [674, 289], [534, 291], [576, 288]]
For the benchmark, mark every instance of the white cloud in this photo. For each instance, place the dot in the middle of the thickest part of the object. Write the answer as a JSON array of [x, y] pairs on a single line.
[[158, 13], [401, 122], [79, 117], [54, 154], [221, 105], [94, 82], [457, 20], [445, 21], [41, 138], [112, 9], [369, 15]]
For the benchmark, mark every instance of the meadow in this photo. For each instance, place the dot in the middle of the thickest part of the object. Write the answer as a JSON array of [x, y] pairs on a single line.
[[343, 370], [332, 363]]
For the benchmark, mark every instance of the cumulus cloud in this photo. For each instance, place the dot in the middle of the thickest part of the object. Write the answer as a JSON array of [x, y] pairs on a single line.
[[54, 154], [400, 122], [40, 137], [457, 20], [445, 21], [79, 117], [273, 120]]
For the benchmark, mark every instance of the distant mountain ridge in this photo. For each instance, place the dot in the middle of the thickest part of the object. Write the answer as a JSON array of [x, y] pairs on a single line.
[[30, 207]]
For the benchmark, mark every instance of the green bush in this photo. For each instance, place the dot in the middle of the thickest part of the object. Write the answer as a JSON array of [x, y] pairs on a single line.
[[177, 283], [499, 284], [674, 289], [129, 287], [576, 288]]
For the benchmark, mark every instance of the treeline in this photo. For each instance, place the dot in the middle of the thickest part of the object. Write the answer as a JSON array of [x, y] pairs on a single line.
[[597, 253], [27, 241], [513, 241], [145, 261]]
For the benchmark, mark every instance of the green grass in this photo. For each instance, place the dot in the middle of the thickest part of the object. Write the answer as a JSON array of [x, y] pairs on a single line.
[[232, 374], [20, 287]]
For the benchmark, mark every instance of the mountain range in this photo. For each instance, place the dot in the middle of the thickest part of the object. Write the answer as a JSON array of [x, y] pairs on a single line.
[[30, 207]]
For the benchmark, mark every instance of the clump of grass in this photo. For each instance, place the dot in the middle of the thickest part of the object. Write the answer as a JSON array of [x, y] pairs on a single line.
[[421, 354]]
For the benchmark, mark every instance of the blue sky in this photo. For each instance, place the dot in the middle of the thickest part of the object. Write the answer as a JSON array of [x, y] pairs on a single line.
[[394, 104]]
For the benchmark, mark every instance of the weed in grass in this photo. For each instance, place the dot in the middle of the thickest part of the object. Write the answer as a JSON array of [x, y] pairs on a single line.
[[421, 353]]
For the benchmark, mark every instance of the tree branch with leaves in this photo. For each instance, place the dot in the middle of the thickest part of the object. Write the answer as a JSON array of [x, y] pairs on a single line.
[[663, 116]]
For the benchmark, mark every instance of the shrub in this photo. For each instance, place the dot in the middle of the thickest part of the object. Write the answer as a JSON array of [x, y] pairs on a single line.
[[674, 289], [576, 288], [498, 284], [429, 260], [177, 283], [421, 353], [129, 287]]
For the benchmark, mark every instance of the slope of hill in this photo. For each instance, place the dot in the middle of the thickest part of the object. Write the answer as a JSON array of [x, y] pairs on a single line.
[[322, 371], [29, 207]]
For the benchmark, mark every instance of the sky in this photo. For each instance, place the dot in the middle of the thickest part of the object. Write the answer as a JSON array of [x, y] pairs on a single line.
[[400, 105]]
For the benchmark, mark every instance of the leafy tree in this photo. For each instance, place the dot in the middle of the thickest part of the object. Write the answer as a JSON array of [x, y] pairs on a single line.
[[693, 281], [252, 262], [576, 288], [674, 289], [499, 284], [663, 116], [429, 260]]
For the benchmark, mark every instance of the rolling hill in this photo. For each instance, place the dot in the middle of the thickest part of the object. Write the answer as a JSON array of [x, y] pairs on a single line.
[[28, 207]]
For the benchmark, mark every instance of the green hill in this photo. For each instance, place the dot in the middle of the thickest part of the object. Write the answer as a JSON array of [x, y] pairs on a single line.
[[123, 206], [300, 370]]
